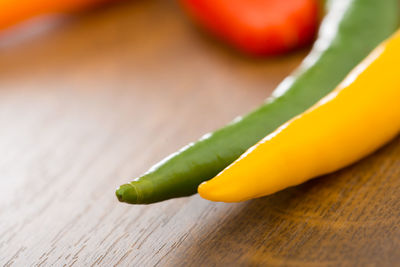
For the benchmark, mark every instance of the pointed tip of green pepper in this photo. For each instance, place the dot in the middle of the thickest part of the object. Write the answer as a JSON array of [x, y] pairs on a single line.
[[127, 193]]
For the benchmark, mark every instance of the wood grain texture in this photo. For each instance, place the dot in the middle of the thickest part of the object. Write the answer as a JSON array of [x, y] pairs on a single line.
[[99, 99]]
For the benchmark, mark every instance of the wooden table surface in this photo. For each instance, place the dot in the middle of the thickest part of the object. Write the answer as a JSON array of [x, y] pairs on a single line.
[[98, 99]]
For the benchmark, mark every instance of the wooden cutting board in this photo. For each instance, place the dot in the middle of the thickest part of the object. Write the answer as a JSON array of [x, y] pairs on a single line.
[[97, 100]]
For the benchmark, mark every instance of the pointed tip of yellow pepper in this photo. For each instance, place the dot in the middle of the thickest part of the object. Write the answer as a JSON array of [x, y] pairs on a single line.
[[213, 191], [204, 192], [219, 189]]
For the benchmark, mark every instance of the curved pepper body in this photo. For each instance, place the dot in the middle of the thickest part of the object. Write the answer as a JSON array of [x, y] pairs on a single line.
[[344, 39], [357, 118]]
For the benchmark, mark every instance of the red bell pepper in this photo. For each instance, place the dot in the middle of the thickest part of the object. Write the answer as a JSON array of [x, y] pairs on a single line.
[[258, 27]]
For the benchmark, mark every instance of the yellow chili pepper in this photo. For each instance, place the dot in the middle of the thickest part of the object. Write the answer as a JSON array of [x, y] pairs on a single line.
[[359, 116]]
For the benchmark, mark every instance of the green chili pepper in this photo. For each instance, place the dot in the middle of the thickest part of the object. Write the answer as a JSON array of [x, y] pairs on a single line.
[[350, 30]]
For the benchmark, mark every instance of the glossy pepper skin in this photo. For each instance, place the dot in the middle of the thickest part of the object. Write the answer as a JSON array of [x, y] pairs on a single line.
[[344, 40], [15, 11], [358, 117], [257, 27]]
